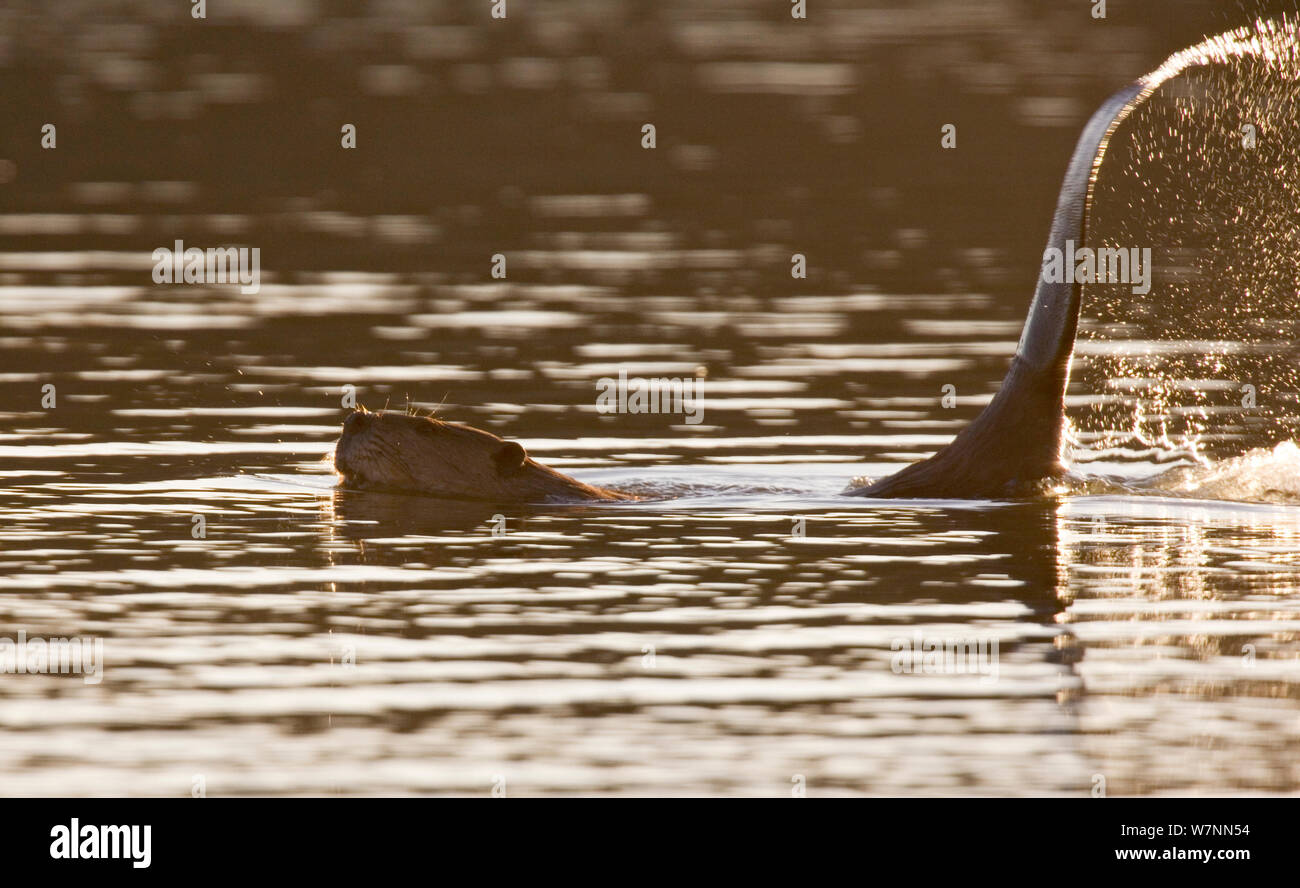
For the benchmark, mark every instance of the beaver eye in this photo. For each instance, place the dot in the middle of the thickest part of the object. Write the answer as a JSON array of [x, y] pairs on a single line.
[[510, 456]]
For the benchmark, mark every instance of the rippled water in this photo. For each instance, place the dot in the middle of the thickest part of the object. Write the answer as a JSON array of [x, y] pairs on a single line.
[[742, 629], [698, 642]]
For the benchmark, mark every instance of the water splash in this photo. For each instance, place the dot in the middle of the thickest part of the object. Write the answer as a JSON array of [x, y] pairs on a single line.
[[1206, 366]]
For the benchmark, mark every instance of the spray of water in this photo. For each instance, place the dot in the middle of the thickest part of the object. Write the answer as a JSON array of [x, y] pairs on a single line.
[[1204, 370]]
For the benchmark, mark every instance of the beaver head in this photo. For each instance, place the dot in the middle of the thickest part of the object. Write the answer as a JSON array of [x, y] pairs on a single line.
[[403, 453]]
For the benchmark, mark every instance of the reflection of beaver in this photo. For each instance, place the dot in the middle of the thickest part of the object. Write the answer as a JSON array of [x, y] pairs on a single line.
[[398, 452]]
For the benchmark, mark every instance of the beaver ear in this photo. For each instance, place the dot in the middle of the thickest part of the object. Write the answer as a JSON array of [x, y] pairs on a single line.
[[510, 456]]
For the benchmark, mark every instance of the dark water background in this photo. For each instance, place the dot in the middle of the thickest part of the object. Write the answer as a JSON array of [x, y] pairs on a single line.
[[319, 641]]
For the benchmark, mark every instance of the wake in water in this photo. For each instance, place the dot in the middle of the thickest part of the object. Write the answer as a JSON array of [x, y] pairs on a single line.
[[1261, 475], [1271, 476]]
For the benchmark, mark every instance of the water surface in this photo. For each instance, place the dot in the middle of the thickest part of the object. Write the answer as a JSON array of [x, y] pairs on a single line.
[[737, 631], [321, 641]]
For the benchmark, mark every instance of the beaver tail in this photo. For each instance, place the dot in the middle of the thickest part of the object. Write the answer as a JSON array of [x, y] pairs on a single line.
[[1016, 441]]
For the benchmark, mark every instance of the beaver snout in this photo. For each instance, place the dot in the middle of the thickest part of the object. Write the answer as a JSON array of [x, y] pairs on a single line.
[[351, 441]]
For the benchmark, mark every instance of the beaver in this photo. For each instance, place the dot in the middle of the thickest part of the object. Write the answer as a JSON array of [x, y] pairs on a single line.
[[408, 453], [1012, 449]]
